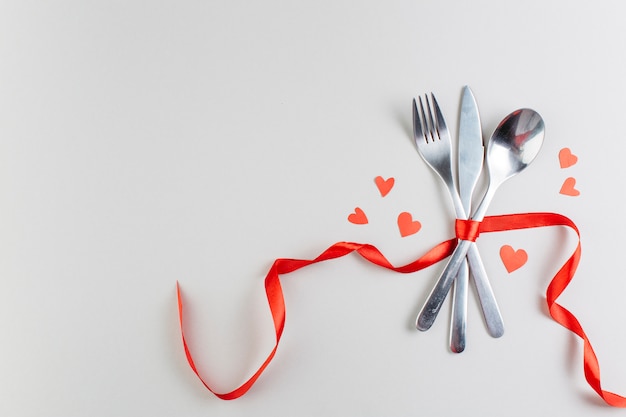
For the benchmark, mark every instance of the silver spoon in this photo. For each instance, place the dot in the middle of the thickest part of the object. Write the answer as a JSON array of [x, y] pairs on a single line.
[[512, 147]]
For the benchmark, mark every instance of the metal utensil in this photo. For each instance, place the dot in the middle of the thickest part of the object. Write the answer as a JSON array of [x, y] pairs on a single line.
[[470, 163], [512, 147], [433, 143]]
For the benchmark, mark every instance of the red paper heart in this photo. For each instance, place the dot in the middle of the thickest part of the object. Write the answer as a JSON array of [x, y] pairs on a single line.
[[407, 225], [384, 185], [567, 158], [513, 259], [358, 217], [568, 187]]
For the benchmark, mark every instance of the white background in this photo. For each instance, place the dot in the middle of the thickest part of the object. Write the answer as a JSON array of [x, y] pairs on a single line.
[[144, 142]]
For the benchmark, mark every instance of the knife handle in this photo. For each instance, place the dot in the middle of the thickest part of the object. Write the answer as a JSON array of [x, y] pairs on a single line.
[[458, 324]]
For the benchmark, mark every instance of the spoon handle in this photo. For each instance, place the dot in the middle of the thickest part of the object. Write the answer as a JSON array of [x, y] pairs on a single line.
[[491, 311]]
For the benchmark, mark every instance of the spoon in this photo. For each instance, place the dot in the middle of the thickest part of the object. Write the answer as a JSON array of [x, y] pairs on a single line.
[[513, 145]]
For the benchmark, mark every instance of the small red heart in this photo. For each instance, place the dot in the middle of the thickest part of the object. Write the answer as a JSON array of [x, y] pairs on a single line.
[[358, 217], [513, 259], [568, 187], [407, 225], [567, 158], [384, 185]]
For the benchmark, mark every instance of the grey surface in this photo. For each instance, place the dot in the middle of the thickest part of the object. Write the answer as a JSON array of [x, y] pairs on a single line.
[[147, 142]]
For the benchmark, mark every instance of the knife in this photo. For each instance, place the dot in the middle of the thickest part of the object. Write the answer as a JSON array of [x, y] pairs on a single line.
[[470, 161]]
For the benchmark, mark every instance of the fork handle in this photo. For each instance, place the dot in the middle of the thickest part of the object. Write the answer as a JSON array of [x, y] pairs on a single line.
[[430, 310]]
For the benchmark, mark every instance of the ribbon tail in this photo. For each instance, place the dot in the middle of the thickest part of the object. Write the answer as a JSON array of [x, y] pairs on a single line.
[[276, 301], [370, 253], [557, 285]]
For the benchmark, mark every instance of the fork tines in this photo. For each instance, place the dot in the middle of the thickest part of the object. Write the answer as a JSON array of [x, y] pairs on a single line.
[[425, 123]]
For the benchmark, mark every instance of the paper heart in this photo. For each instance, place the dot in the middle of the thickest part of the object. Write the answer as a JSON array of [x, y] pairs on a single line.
[[384, 185], [358, 217], [513, 259], [568, 187], [567, 158], [407, 225]]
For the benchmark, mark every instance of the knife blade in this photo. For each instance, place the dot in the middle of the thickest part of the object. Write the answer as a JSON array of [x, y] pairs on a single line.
[[471, 149], [470, 161]]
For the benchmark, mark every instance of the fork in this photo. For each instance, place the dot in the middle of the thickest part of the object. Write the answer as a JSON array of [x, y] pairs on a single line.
[[434, 145]]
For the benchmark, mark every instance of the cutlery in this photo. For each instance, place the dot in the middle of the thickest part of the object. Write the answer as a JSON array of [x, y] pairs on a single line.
[[512, 147], [470, 164], [434, 145]]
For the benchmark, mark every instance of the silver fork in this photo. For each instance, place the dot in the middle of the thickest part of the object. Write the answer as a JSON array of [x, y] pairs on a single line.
[[434, 145]]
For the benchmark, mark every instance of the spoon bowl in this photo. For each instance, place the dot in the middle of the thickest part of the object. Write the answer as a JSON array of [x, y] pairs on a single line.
[[514, 144]]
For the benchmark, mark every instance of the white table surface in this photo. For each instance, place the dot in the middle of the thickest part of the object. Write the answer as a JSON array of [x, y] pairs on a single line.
[[144, 142]]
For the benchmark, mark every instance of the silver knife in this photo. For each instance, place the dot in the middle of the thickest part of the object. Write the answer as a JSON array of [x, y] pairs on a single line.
[[471, 155]]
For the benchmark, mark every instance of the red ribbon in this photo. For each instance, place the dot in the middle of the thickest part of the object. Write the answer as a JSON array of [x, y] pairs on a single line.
[[465, 229]]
